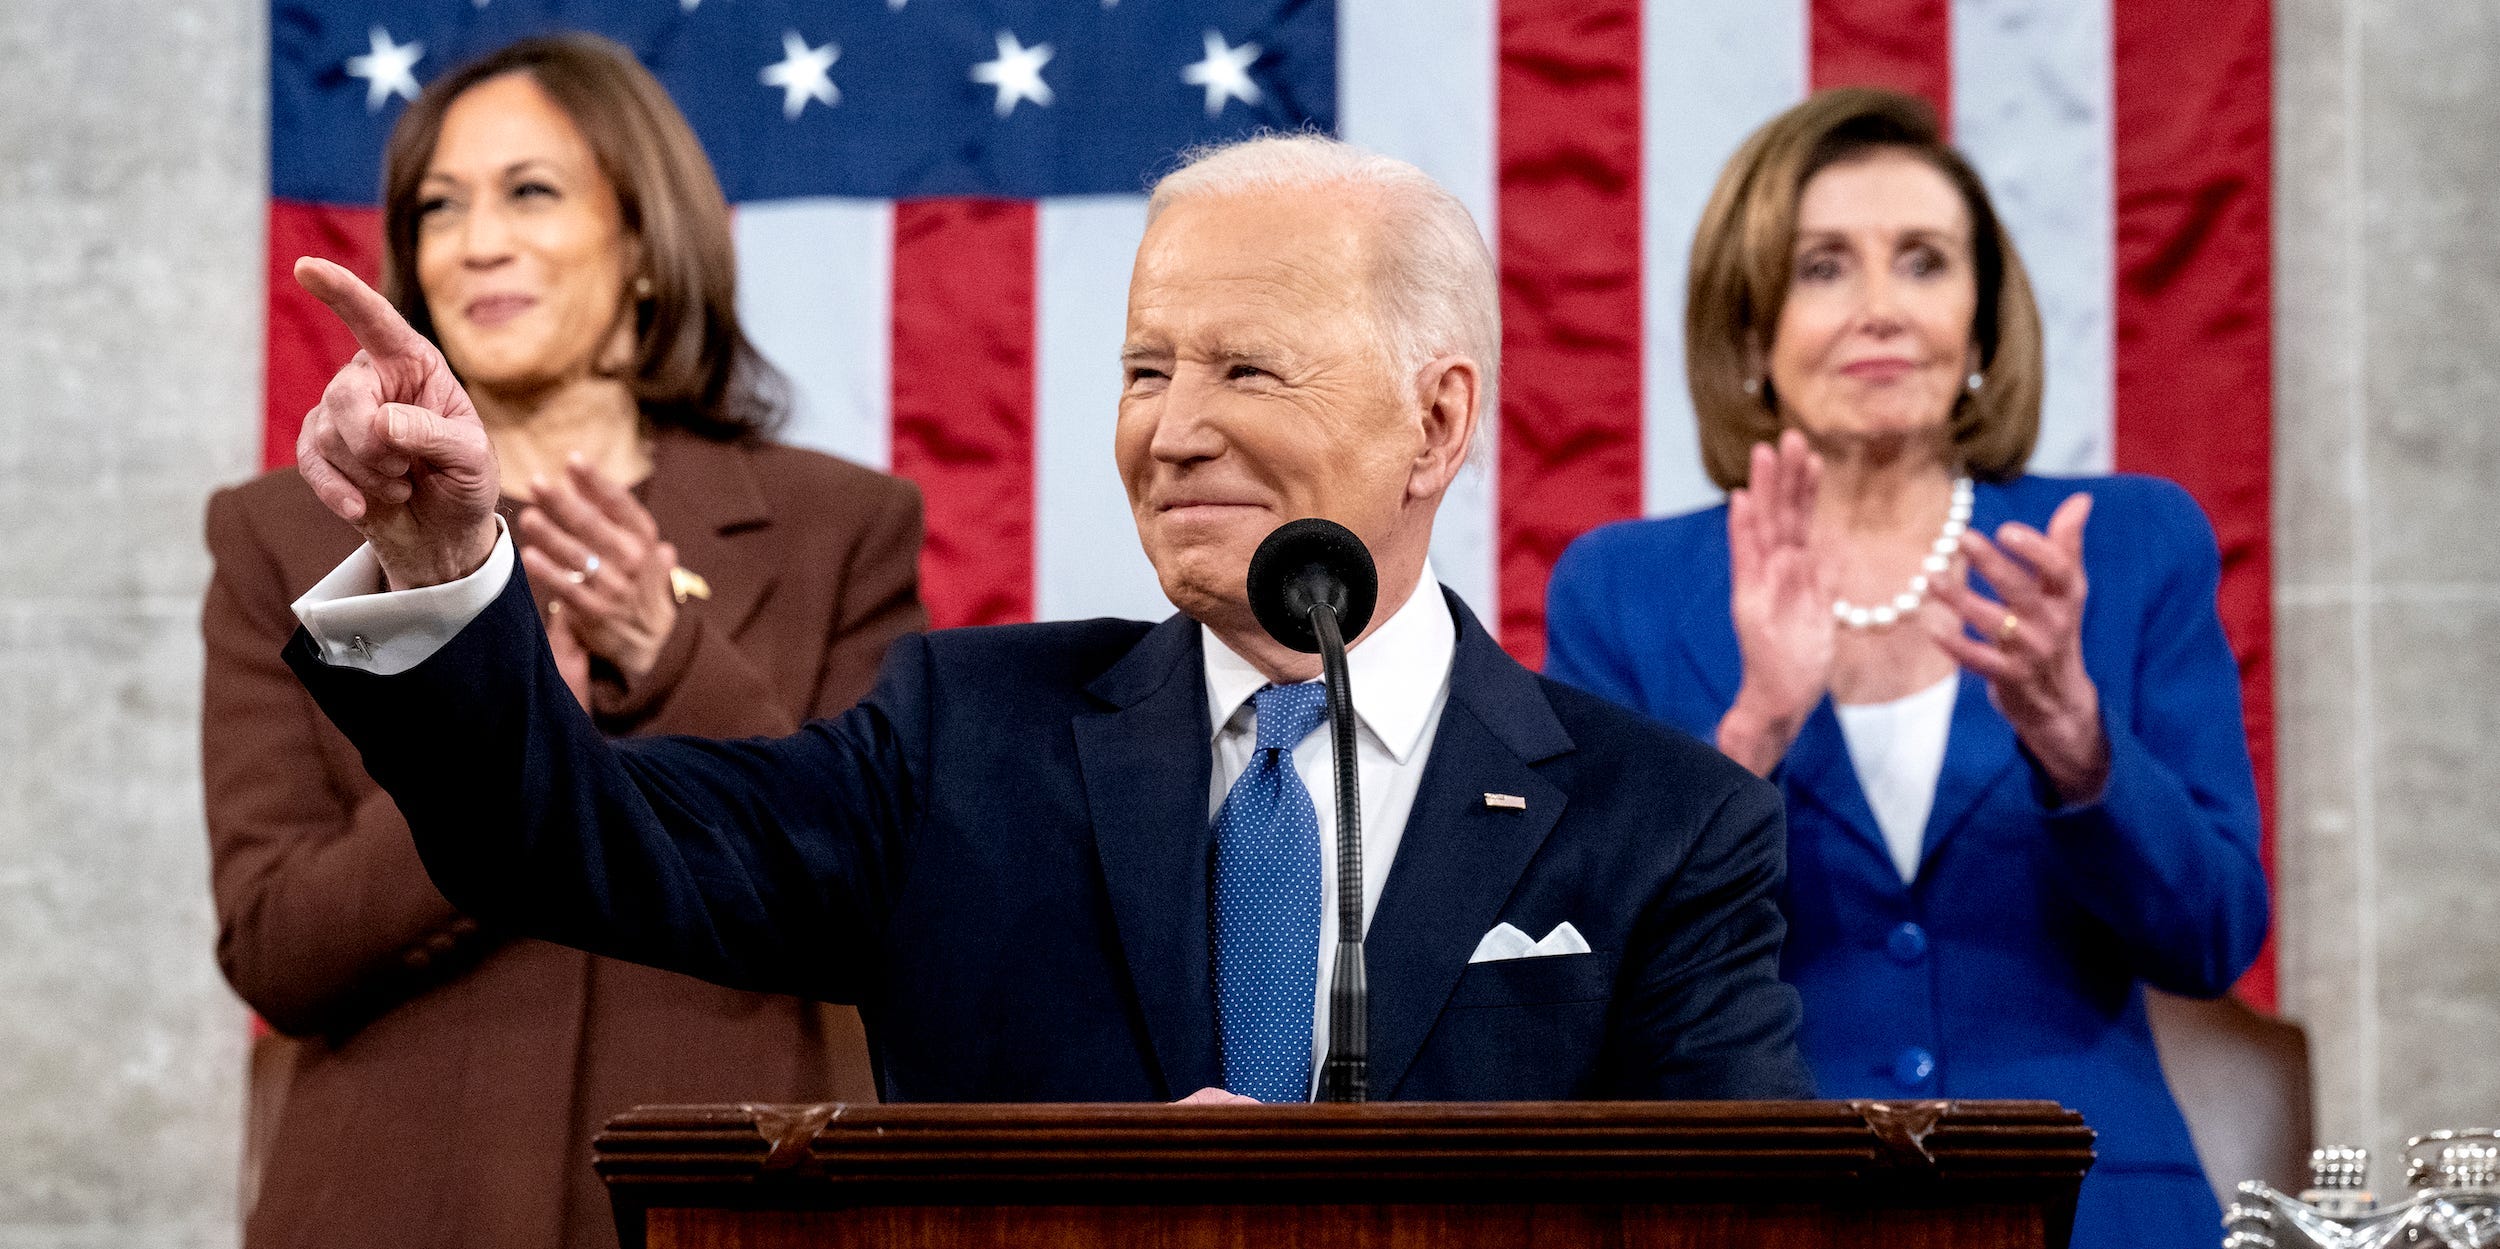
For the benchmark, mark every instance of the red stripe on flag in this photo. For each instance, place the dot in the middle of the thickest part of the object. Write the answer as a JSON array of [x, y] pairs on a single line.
[[2192, 102], [1903, 44], [306, 344], [1570, 246], [963, 401]]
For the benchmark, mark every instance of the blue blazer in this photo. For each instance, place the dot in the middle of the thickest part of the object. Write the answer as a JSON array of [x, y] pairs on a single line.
[[1002, 858], [2011, 966]]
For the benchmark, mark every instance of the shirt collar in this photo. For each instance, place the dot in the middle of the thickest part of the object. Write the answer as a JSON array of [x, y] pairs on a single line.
[[1397, 672]]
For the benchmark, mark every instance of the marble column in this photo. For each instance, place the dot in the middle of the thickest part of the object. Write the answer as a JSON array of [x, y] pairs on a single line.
[[131, 167], [2387, 455]]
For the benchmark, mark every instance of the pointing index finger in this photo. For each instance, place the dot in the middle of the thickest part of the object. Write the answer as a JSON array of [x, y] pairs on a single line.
[[376, 325]]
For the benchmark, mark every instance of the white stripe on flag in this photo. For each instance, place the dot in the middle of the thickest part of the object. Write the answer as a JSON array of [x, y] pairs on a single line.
[[815, 294], [1086, 561], [2031, 107], [1415, 80], [1712, 71]]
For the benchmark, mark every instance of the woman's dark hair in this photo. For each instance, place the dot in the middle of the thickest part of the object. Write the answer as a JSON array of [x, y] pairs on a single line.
[[1742, 265], [692, 367]]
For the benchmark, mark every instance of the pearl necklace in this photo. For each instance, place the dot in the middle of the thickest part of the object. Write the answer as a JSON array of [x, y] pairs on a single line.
[[1939, 558]]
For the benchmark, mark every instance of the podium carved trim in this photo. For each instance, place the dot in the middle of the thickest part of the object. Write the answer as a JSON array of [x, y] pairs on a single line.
[[842, 1155], [1393, 1175]]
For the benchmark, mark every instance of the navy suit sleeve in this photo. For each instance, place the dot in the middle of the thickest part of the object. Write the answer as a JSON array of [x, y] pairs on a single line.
[[2167, 858], [763, 864], [1710, 1016]]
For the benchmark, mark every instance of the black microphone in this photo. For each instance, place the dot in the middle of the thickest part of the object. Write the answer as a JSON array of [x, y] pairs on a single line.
[[1311, 585]]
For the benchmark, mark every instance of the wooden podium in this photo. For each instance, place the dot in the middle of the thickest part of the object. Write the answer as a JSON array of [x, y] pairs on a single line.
[[1635, 1175]]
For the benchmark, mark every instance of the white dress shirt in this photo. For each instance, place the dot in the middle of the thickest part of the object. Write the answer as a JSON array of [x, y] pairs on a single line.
[[1401, 677], [1897, 749], [360, 623]]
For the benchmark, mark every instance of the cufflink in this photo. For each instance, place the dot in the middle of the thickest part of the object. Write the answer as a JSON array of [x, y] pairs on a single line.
[[1505, 802], [357, 644]]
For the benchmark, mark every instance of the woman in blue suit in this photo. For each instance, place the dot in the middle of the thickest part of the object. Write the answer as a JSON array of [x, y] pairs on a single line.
[[2018, 784]]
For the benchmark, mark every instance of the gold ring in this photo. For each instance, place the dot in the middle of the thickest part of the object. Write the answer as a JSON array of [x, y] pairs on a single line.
[[2013, 625]]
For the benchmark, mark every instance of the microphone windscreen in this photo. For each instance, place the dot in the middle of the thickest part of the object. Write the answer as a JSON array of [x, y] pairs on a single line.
[[1306, 562]]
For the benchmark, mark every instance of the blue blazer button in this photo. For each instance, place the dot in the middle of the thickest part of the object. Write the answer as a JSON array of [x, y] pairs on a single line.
[[1912, 1069], [1907, 943]]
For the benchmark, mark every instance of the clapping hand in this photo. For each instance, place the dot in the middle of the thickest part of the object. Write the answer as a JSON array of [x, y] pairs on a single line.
[[394, 448], [1781, 603], [594, 556], [2029, 643]]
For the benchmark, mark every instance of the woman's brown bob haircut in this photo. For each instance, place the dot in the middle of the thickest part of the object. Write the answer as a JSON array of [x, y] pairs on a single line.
[[1744, 255], [692, 366]]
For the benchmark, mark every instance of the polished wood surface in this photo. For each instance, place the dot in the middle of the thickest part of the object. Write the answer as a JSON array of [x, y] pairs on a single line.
[[1378, 1176]]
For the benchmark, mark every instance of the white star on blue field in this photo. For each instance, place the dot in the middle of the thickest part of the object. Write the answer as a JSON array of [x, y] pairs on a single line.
[[800, 99]]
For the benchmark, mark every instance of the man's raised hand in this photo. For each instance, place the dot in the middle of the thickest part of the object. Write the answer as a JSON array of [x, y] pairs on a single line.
[[394, 447]]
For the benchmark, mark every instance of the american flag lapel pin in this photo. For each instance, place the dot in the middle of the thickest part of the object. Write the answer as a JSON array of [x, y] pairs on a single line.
[[1505, 802]]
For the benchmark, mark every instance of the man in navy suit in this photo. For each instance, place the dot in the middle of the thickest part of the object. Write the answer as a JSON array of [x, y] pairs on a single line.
[[1078, 861]]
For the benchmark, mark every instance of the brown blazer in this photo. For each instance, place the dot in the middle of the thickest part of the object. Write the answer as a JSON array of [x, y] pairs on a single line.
[[447, 1080]]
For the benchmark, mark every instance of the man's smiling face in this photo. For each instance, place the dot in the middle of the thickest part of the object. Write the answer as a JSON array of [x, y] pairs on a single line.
[[1257, 390]]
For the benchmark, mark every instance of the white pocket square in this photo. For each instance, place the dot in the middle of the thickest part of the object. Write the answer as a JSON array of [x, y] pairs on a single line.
[[1506, 942]]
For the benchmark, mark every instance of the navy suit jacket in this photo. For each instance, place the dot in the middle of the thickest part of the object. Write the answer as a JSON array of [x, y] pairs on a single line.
[[1002, 858], [2011, 965]]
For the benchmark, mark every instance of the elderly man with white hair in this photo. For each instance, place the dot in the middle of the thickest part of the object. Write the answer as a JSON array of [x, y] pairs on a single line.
[[1079, 861]]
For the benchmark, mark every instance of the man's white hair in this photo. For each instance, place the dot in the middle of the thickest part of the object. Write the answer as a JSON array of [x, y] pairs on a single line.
[[1434, 290]]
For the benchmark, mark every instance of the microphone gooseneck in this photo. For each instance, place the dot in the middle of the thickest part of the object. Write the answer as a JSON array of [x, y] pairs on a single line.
[[1311, 583], [1346, 1076]]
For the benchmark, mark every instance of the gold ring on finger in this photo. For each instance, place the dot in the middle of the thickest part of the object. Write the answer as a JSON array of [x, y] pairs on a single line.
[[2006, 631]]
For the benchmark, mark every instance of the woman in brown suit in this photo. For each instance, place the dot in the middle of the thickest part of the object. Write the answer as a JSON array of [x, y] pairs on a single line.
[[552, 224]]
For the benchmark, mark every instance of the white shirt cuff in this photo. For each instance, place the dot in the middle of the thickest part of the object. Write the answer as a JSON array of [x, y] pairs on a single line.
[[357, 623]]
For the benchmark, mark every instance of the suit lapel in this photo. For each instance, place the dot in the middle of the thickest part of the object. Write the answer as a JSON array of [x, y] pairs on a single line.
[[1978, 749], [1980, 746], [1145, 760], [1818, 771], [705, 498], [1459, 859]]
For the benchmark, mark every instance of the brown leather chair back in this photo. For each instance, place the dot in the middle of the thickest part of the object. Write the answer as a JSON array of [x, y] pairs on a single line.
[[2242, 1080], [271, 1071]]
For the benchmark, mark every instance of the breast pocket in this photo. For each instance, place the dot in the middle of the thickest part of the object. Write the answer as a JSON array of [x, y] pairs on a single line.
[[1527, 1029], [1551, 980]]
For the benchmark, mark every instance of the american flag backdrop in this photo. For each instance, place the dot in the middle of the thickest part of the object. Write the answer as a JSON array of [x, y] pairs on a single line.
[[936, 203]]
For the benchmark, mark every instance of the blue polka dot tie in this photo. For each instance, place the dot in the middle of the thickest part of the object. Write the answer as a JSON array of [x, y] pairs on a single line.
[[1266, 900]]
